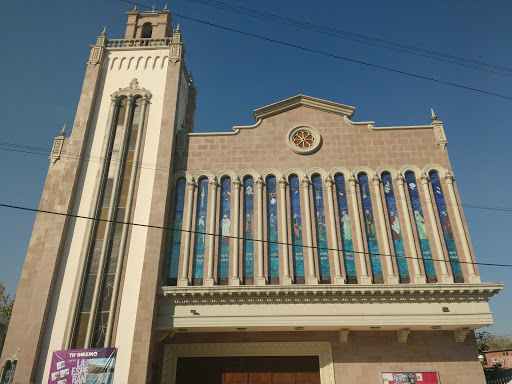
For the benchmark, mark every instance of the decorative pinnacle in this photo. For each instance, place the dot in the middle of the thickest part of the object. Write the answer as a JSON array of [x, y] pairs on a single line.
[[104, 32], [153, 8], [165, 8], [434, 117], [178, 28], [63, 131], [134, 9]]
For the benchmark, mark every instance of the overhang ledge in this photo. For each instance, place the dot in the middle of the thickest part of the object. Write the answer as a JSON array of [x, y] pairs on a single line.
[[303, 100]]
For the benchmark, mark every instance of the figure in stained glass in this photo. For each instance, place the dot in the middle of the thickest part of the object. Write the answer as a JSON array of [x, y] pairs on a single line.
[[420, 225], [347, 232], [200, 230], [370, 227], [395, 226], [297, 229], [272, 226], [249, 227], [447, 226], [225, 224]]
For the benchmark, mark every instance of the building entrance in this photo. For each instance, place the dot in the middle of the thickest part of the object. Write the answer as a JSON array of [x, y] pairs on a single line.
[[248, 370]]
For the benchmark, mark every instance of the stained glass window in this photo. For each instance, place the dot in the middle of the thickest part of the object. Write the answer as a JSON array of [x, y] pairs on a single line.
[[297, 250], [321, 233], [248, 231], [200, 235], [346, 231], [369, 225], [396, 230], [177, 224], [272, 231], [447, 227], [225, 231], [421, 229]]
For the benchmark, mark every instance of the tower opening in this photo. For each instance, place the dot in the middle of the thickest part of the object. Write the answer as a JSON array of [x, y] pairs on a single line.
[[147, 30]]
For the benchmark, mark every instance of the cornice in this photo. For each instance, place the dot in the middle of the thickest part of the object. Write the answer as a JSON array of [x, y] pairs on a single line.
[[371, 125], [382, 293], [303, 100]]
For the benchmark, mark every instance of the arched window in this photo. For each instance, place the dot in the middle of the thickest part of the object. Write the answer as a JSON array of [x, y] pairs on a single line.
[[248, 231], [396, 230], [109, 235], [345, 229], [200, 232], [447, 227], [369, 225], [421, 229], [147, 30], [321, 233], [8, 371], [177, 224], [225, 231], [272, 231], [296, 221]]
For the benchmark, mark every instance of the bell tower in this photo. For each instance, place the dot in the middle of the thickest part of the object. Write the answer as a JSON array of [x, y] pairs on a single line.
[[89, 280]]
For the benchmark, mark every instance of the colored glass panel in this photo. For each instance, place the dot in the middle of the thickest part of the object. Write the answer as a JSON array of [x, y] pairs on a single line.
[[177, 224], [369, 225], [272, 231], [346, 232], [447, 227], [225, 230], [200, 236], [321, 233], [421, 229], [297, 250], [396, 231], [248, 231]]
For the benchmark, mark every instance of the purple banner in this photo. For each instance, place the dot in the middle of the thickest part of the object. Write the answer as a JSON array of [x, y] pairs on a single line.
[[83, 366]]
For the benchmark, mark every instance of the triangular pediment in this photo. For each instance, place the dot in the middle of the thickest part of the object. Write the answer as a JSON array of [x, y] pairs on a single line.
[[300, 101]]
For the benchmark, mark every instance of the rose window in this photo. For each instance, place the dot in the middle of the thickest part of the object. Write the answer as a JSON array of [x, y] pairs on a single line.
[[303, 139]]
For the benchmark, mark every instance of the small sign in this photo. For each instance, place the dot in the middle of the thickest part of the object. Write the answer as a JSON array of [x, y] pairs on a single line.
[[410, 378]]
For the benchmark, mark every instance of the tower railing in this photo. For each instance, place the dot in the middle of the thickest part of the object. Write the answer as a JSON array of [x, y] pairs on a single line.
[[138, 43]]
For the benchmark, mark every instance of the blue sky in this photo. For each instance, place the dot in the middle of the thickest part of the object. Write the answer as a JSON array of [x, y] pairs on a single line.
[[46, 46]]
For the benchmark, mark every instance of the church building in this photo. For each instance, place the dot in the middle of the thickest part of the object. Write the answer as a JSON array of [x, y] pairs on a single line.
[[308, 247]]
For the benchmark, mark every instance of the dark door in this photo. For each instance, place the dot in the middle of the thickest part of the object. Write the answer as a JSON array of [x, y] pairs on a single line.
[[248, 370]]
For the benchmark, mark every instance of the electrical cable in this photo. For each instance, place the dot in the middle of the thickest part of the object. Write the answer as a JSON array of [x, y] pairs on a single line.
[[283, 43], [238, 238], [303, 25]]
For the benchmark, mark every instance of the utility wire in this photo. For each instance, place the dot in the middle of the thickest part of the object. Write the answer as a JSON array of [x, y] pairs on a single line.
[[323, 53], [304, 25], [154, 167], [238, 238]]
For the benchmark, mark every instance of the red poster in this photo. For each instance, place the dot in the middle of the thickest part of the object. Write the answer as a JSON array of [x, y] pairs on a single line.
[[410, 378]]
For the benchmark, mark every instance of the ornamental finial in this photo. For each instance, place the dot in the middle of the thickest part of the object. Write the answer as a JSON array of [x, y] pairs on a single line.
[[165, 8], [104, 32], [63, 131], [434, 117], [178, 28], [153, 8], [134, 9]]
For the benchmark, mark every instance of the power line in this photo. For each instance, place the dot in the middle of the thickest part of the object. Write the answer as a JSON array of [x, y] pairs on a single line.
[[283, 43], [304, 25], [239, 238], [154, 167]]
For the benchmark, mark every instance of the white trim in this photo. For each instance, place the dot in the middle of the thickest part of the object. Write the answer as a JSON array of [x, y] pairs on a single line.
[[369, 172], [236, 129], [322, 349], [336, 170], [371, 125], [437, 168], [386, 168], [410, 168]]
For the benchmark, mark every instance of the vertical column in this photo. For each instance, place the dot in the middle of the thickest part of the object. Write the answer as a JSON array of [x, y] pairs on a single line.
[[418, 277], [186, 247], [473, 277], [259, 233], [365, 278], [392, 279], [446, 278], [338, 278], [211, 237], [286, 280], [235, 279], [309, 236]]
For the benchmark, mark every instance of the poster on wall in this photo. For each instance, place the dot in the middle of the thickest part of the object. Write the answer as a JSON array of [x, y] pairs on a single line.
[[410, 378], [83, 366]]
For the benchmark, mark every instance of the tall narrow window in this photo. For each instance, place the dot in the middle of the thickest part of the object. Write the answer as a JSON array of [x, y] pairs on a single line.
[[248, 231], [177, 224], [321, 233], [421, 229], [396, 230], [272, 231], [369, 225], [225, 231], [447, 227], [346, 232], [202, 206], [297, 250]]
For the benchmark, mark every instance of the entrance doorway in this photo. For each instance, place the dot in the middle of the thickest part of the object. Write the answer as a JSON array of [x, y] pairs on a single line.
[[248, 370]]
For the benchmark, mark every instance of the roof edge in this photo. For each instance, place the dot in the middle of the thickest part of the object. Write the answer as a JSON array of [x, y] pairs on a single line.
[[303, 100]]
